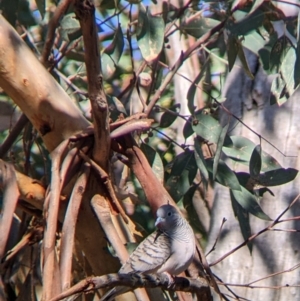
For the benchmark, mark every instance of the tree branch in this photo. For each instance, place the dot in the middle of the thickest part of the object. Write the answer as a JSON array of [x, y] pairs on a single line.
[[35, 91], [198, 286], [85, 12]]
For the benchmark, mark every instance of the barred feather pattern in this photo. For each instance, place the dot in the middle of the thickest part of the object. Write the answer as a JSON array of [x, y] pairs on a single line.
[[169, 249]]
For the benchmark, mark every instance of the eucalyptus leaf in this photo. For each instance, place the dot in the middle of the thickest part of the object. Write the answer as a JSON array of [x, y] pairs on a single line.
[[206, 127], [240, 149], [247, 22], [278, 91], [243, 219], [256, 4], [255, 162], [197, 25], [168, 118], [193, 88], [243, 59], [277, 177], [177, 186], [150, 34], [225, 176], [287, 70], [201, 163], [219, 149], [248, 201], [70, 28], [193, 217], [154, 160], [232, 50], [112, 54], [183, 172], [188, 129], [41, 5]]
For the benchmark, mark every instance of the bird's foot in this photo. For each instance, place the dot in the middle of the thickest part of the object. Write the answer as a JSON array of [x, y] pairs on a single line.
[[170, 279]]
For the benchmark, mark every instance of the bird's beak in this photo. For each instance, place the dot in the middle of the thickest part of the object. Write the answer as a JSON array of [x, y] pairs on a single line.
[[159, 221]]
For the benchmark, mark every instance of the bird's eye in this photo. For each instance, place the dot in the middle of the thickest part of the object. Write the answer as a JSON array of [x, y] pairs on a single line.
[[169, 213]]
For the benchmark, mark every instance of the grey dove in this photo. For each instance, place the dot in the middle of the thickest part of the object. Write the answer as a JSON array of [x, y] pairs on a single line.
[[169, 249]]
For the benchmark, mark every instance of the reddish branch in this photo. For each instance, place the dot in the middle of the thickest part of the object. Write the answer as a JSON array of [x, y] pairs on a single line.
[[85, 12], [52, 25], [52, 284], [198, 286], [68, 229]]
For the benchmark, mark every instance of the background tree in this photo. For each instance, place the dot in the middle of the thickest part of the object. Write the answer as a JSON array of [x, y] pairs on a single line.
[[133, 105]]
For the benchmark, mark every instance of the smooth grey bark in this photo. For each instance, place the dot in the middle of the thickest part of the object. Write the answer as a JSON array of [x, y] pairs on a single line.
[[273, 251]]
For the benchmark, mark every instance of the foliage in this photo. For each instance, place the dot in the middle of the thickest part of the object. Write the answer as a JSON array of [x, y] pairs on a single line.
[[133, 37]]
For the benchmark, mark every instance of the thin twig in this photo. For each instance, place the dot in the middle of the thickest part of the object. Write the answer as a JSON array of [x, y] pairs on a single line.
[[218, 236], [106, 180], [52, 25], [177, 65], [13, 135], [276, 221]]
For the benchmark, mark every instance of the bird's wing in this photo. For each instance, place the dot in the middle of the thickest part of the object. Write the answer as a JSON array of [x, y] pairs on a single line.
[[149, 256]]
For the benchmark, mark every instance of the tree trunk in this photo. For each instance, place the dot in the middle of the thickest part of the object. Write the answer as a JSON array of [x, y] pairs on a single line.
[[273, 251]]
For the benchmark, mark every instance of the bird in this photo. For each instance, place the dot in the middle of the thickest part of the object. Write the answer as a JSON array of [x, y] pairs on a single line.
[[170, 249]]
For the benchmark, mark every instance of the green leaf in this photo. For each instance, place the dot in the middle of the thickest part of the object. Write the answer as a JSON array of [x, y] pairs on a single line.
[[70, 28], [201, 163], [177, 186], [278, 91], [206, 127], [168, 118], [287, 70], [254, 42], [232, 50], [150, 34], [256, 5], [268, 162], [248, 201], [115, 107], [219, 150], [182, 174], [112, 54], [187, 129], [154, 160], [241, 149], [225, 176], [183, 161], [265, 52], [278, 53], [247, 22], [243, 218], [297, 67], [196, 25], [192, 89], [242, 58], [277, 177], [193, 217], [41, 5], [255, 162], [9, 10], [297, 63]]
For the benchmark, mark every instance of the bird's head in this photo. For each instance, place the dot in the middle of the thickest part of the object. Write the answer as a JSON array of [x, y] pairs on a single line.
[[167, 217]]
